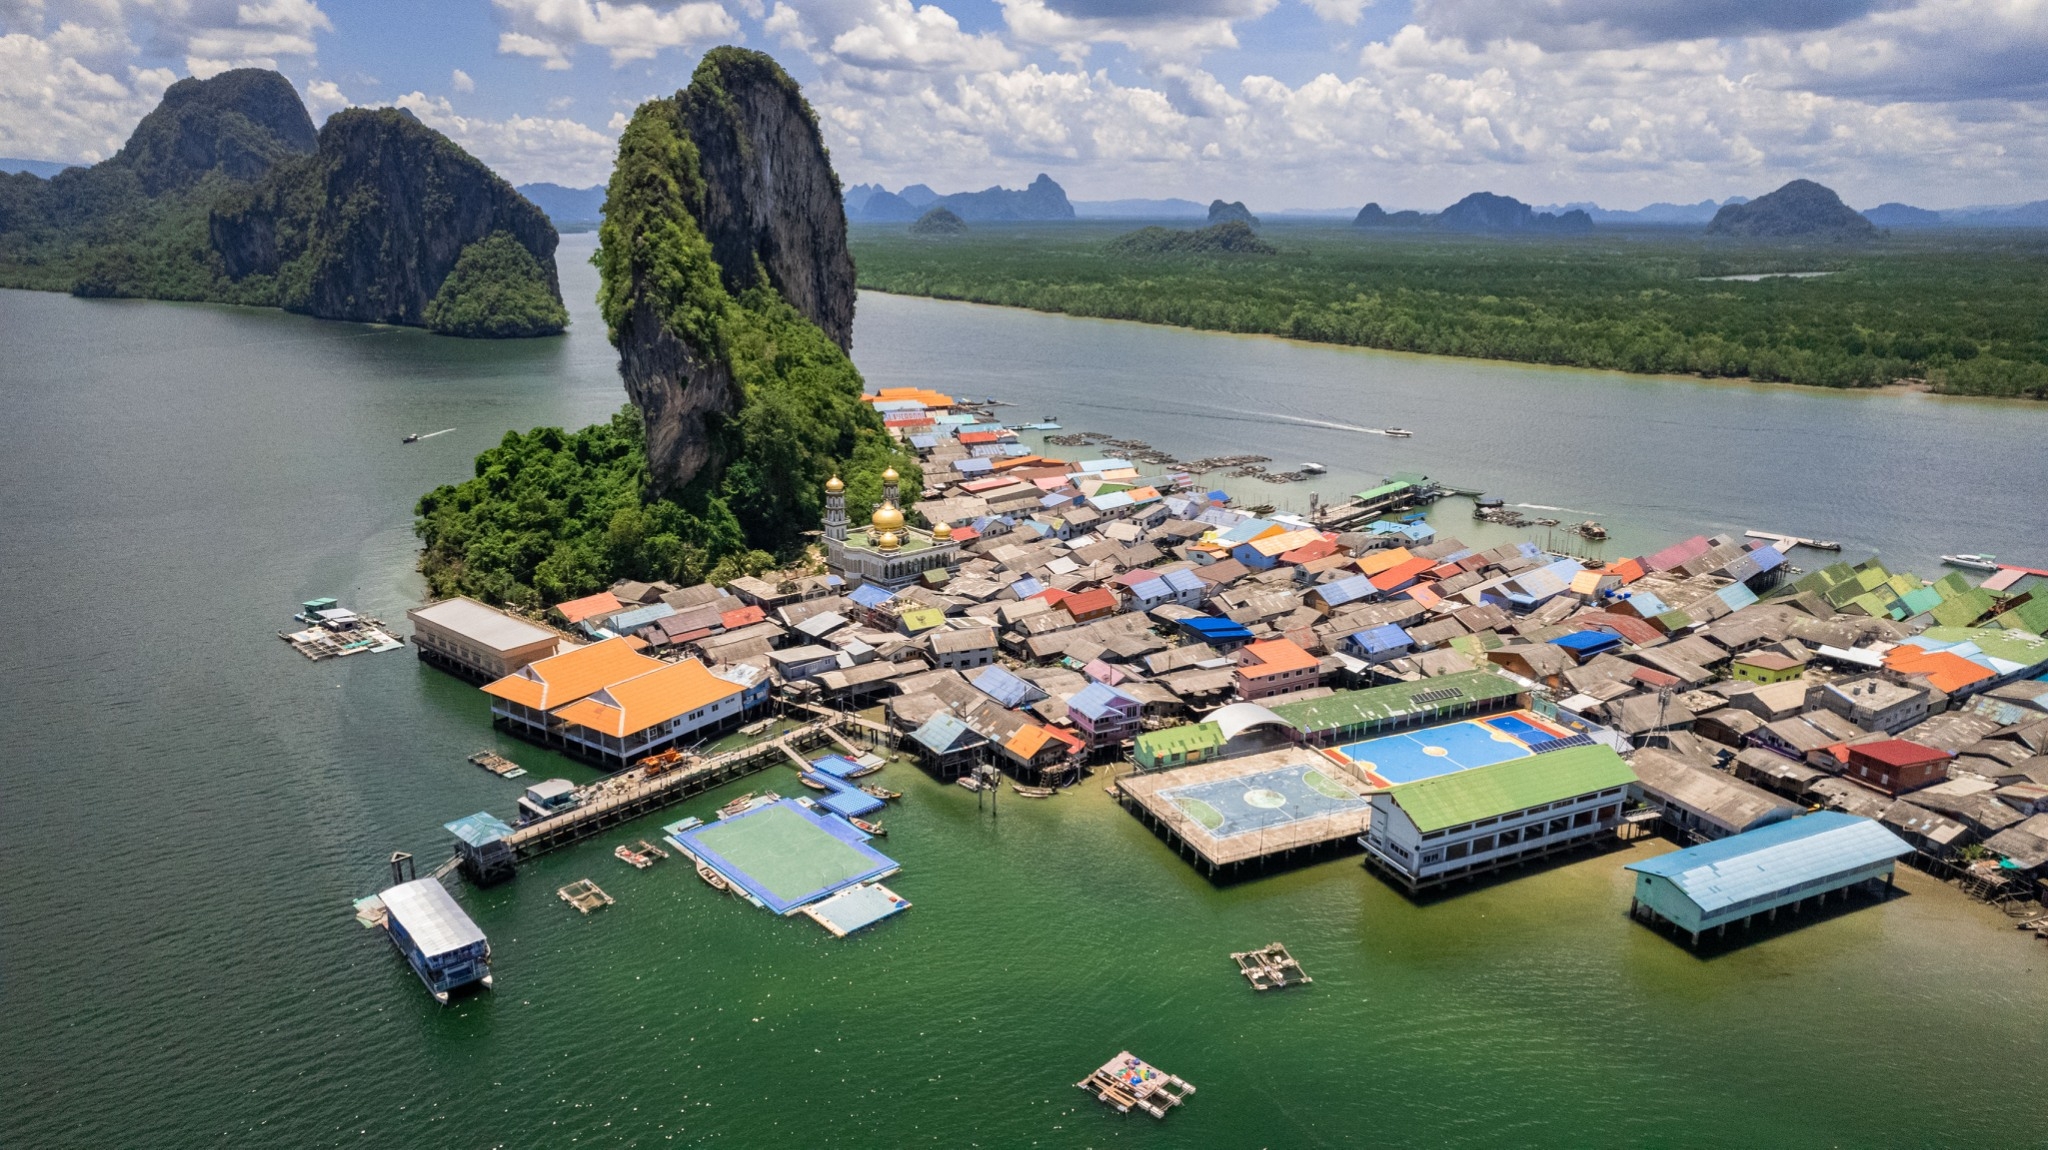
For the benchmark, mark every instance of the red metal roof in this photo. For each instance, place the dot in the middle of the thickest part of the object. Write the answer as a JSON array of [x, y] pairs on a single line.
[[1089, 602], [743, 617], [1899, 753], [1401, 573]]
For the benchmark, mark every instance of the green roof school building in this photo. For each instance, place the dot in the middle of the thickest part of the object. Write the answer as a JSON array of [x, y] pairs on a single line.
[[1351, 715], [1465, 823], [1729, 880]]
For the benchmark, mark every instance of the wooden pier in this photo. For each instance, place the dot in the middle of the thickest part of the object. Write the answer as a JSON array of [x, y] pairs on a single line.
[[584, 895], [1786, 542], [1128, 1082], [631, 794], [1270, 967]]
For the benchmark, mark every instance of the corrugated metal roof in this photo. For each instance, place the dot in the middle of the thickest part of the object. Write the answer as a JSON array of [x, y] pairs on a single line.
[[430, 916], [479, 828], [1097, 700], [1466, 796], [1757, 863]]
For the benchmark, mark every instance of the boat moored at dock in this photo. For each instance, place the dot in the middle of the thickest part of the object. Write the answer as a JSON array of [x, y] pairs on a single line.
[[1971, 561]]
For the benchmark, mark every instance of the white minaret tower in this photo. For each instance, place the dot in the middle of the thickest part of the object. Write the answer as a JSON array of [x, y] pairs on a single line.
[[835, 509], [890, 483]]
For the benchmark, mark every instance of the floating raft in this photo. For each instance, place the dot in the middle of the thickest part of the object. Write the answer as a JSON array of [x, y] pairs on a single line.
[[855, 908], [1128, 1082], [1270, 967], [640, 855], [497, 764], [584, 895]]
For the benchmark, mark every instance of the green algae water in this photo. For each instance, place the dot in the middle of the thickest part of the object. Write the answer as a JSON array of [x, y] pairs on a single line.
[[189, 807]]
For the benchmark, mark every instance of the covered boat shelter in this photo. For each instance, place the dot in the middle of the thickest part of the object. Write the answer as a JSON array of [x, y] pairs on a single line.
[[1734, 879]]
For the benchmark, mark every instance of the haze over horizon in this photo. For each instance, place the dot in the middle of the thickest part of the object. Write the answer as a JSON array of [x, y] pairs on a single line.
[[1281, 103]]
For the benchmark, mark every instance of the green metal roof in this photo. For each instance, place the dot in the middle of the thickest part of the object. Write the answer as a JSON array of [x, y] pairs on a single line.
[[923, 619], [1484, 792], [1181, 740], [1383, 490], [1964, 609], [2029, 616], [2012, 646], [1373, 704]]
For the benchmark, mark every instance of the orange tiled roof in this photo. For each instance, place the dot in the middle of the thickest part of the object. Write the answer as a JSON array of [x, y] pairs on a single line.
[[561, 679], [590, 606], [1374, 562], [1274, 657], [1945, 671], [1028, 741], [1400, 573], [633, 705]]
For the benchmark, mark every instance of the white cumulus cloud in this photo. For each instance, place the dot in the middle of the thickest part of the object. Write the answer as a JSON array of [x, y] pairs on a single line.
[[551, 30], [523, 149]]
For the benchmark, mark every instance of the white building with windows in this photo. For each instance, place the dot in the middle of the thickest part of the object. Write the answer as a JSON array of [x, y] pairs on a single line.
[[1466, 823]]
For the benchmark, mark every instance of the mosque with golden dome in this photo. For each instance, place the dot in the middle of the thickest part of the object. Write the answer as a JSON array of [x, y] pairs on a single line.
[[887, 551]]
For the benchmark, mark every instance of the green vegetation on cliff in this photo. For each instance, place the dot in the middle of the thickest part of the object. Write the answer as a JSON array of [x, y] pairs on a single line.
[[225, 193], [1961, 310], [1231, 238], [497, 290], [759, 404]]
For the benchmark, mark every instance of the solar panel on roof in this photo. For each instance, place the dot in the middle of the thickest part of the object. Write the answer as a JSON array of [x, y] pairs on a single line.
[[1436, 696]]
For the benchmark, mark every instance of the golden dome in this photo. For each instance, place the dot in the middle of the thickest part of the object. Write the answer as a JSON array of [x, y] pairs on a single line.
[[834, 485], [887, 541], [887, 518], [890, 476], [942, 530]]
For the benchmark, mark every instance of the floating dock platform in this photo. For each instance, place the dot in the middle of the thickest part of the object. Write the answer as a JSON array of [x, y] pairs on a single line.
[[1128, 1082], [855, 908], [1270, 967], [498, 764], [584, 895]]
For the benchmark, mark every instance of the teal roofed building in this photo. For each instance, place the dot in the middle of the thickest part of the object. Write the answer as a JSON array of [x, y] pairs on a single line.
[[1783, 865]]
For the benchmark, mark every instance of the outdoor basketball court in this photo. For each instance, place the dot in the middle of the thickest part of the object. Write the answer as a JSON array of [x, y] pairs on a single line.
[[1232, 811], [1403, 758], [784, 856]]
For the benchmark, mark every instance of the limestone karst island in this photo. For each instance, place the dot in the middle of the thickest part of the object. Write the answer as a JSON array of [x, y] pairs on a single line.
[[1023, 573]]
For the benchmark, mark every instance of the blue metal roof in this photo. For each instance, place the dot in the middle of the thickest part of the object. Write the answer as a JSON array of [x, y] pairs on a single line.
[[1182, 579], [1006, 687], [972, 466], [1153, 589], [1347, 589], [479, 828], [1385, 637], [1026, 587], [924, 442], [1210, 627], [626, 621], [1757, 863], [871, 595], [1100, 465], [1095, 700], [941, 731]]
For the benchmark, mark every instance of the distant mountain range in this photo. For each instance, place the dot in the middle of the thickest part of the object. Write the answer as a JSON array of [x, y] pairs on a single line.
[[1043, 199], [571, 209], [1480, 212], [43, 168]]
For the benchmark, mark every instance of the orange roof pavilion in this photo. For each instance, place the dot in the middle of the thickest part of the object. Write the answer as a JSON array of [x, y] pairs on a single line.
[[1274, 657], [923, 395], [590, 606], [629, 707], [562, 679]]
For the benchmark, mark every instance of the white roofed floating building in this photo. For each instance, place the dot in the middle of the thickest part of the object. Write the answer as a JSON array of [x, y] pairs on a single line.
[[446, 949], [1734, 879]]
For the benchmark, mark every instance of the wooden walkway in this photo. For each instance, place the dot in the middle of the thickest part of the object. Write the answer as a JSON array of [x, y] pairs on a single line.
[[627, 796]]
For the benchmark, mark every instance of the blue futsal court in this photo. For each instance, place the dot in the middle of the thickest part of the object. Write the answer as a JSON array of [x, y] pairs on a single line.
[[1229, 807], [1394, 759]]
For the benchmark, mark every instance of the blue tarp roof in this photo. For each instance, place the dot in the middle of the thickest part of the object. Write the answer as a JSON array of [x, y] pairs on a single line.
[[479, 828], [871, 595], [1006, 687], [1775, 858]]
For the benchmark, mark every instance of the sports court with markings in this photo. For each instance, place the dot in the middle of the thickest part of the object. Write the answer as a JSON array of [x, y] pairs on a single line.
[[1238, 810], [1390, 760]]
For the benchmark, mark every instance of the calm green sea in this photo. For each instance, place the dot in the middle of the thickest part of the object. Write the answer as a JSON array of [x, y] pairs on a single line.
[[188, 807]]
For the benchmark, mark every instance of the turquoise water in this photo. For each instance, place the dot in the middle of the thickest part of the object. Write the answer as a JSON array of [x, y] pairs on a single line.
[[188, 809]]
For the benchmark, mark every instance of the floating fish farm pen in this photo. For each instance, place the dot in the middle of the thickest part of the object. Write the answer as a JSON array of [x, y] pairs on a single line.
[[446, 949]]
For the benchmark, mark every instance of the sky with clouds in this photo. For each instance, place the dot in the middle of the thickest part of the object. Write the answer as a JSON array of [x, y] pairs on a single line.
[[1281, 103]]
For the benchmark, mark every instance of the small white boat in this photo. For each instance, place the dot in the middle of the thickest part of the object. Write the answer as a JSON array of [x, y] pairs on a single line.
[[969, 781], [1313, 469], [1397, 432], [1972, 562]]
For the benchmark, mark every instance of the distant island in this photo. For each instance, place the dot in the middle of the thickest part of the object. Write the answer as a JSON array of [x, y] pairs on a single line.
[[1233, 212], [732, 313], [1043, 199], [1800, 209], [1478, 212], [226, 193], [939, 221]]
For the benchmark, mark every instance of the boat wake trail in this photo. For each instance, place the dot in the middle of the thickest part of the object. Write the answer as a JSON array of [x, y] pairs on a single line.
[[432, 434], [1548, 507]]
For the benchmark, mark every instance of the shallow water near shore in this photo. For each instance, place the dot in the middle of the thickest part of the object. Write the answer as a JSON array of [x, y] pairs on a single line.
[[189, 807]]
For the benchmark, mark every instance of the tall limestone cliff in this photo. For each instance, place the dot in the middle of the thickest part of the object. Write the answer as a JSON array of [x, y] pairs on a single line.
[[1801, 209], [370, 226], [238, 123], [728, 289]]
